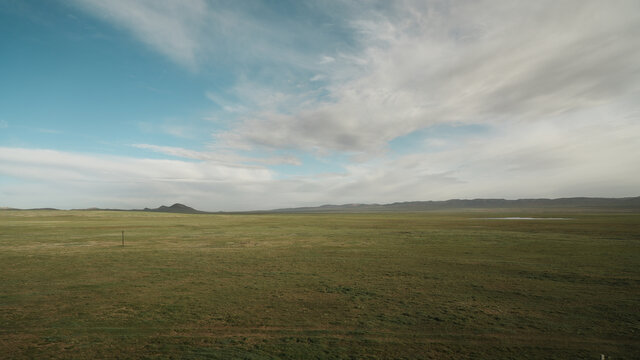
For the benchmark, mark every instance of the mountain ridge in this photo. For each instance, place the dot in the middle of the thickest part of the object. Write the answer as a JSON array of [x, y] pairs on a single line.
[[625, 203]]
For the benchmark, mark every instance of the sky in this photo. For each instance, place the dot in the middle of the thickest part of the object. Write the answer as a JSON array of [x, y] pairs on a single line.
[[251, 105]]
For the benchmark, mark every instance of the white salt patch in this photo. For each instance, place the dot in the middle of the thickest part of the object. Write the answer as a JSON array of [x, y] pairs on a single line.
[[522, 218]]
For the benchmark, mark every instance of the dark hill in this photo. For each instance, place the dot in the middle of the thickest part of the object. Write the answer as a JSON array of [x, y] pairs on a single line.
[[176, 208]]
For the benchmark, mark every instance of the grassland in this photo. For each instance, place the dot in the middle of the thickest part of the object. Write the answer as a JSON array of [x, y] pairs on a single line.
[[411, 285]]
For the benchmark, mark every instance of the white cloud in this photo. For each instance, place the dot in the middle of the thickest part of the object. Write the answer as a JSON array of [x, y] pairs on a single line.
[[219, 156], [176, 127], [556, 157], [415, 64], [48, 131], [92, 176], [65, 166], [326, 60], [171, 27], [199, 33], [227, 105], [179, 131], [551, 158], [556, 84], [478, 62]]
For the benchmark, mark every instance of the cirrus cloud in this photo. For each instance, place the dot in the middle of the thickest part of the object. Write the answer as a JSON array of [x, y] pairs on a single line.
[[481, 62], [553, 86]]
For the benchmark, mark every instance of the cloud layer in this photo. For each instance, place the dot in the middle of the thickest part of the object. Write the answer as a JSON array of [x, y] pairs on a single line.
[[536, 99], [480, 62], [170, 27], [532, 160]]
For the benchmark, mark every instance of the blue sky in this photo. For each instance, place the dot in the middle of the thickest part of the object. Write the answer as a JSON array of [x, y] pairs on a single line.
[[227, 105]]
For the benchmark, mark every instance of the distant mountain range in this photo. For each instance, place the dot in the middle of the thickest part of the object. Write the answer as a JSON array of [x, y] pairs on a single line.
[[627, 203], [175, 208]]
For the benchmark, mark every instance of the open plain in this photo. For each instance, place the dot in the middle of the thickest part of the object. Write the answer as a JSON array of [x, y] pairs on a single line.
[[441, 285]]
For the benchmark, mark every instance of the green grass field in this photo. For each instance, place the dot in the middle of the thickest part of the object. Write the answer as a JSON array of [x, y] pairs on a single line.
[[414, 285]]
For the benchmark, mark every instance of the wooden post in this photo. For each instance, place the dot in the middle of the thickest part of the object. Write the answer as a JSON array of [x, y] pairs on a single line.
[[122, 237]]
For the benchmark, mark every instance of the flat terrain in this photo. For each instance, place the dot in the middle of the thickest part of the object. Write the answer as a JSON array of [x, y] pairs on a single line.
[[398, 285]]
